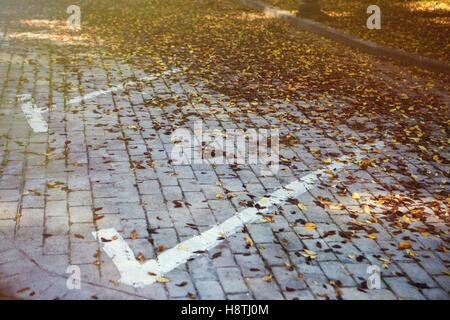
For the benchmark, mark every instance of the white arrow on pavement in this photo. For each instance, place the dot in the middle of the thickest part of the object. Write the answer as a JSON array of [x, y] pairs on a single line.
[[139, 274]]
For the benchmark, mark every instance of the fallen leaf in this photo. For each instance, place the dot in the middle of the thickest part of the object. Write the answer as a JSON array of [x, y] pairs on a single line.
[[310, 226], [140, 257], [268, 278], [248, 241], [162, 279], [404, 245]]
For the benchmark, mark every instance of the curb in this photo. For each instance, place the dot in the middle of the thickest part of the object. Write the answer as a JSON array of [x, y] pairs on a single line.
[[364, 45]]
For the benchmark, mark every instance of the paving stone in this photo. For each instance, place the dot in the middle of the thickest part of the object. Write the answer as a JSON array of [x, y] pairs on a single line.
[[414, 272], [240, 296], [209, 290], [8, 210], [337, 271], [299, 295], [81, 214], [32, 218], [231, 280], [56, 208], [273, 254], [288, 279], [261, 233], [263, 290], [251, 265], [436, 294], [290, 241], [444, 282], [375, 294], [180, 285], [402, 289]]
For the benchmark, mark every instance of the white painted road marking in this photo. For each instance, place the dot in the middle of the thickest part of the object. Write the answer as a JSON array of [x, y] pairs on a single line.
[[138, 275], [34, 115]]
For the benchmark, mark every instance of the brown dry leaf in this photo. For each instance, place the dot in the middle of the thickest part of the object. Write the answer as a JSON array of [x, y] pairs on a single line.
[[133, 235], [161, 248], [140, 257], [404, 245], [216, 255]]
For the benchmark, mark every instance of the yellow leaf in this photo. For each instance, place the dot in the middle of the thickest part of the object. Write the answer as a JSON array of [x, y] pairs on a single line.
[[336, 206], [356, 196], [162, 280], [268, 278], [219, 196], [249, 241], [309, 254], [310, 226], [268, 219], [366, 209], [372, 236], [411, 253]]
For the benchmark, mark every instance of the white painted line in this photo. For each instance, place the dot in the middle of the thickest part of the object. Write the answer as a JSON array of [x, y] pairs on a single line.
[[37, 122], [136, 274], [33, 114], [118, 87]]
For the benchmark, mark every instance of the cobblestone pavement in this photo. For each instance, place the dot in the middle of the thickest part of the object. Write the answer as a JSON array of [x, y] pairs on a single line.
[[105, 163]]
